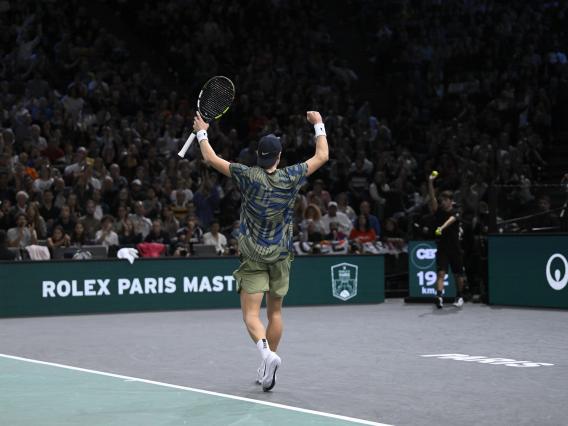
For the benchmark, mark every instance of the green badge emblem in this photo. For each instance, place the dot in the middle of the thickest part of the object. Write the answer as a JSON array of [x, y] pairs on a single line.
[[344, 281]]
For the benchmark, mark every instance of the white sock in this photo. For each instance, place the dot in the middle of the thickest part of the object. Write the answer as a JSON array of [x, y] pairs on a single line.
[[262, 346]]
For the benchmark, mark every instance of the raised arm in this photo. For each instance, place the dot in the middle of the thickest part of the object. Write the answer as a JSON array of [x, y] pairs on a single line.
[[433, 200], [322, 151], [200, 127], [440, 230]]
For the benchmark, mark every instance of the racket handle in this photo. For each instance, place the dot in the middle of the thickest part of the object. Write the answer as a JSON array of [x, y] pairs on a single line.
[[186, 145]]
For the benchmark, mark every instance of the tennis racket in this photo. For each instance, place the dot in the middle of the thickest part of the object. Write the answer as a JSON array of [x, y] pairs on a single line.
[[214, 100]]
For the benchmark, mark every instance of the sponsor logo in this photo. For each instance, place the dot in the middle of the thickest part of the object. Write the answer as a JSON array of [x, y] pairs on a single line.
[[137, 286], [344, 281], [423, 256], [507, 362], [556, 279]]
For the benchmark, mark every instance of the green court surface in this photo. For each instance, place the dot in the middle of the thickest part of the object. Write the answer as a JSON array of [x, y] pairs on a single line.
[[40, 393]]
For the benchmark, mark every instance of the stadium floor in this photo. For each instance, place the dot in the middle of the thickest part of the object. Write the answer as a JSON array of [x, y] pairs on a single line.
[[364, 362]]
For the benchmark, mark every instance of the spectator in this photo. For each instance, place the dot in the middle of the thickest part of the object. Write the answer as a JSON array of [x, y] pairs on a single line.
[[21, 206], [5, 253], [101, 207], [169, 221], [362, 232], [392, 234], [47, 208], [65, 220], [215, 238], [335, 216], [180, 205], [335, 234], [181, 247], [314, 234], [137, 193], [36, 221], [379, 190], [44, 181], [118, 181], [206, 200], [142, 225], [372, 220], [318, 195], [545, 219], [22, 235], [312, 214], [106, 236], [157, 234], [344, 207], [122, 200], [152, 204], [127, 236], [58, 239], [193, 231], [79, 165], [89, 222], [79, 237], [6, 190], [74, 206], [359, 181], [5, 217], [53, 152]]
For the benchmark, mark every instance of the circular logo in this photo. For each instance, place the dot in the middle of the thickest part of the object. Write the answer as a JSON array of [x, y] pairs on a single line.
[[423, 256], [555, 278]]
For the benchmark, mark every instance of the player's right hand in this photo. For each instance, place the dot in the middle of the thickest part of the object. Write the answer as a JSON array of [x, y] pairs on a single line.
[[314, 117], [199, 123]]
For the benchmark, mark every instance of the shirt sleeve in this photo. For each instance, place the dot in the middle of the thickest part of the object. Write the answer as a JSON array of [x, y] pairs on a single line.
[[238, 174], [297, 173]]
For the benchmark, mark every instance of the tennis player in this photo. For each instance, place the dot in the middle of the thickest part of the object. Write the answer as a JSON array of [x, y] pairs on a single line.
[[265, 240], [449, 252]]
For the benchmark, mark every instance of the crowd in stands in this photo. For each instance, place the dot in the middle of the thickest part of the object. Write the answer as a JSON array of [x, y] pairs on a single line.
[[89, 130]]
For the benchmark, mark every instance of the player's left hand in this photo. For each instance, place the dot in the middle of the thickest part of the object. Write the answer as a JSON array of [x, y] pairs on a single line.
[[199, 123]]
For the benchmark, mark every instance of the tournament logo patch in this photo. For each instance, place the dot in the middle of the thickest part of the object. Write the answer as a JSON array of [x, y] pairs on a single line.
[[344, 281]]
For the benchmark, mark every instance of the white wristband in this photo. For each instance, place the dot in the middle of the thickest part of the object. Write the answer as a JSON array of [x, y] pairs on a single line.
[[201, 135], [319, 129]]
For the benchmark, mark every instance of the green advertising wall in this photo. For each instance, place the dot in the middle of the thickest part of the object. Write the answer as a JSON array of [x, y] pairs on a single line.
[[528, 270], [422, 271], [91, 286]]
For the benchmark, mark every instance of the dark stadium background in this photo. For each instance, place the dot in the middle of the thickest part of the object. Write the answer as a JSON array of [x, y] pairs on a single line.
[[97, 97]]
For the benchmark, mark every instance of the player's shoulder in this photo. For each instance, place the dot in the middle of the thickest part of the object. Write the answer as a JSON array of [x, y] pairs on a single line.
[[295, 169], [238, 167], [238, 170]]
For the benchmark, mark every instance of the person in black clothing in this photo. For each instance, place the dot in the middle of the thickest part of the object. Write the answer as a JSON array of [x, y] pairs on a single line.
[[449, 252], [157, 234]]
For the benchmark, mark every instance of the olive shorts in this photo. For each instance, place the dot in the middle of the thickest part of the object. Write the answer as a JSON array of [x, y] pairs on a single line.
[[259, 277]]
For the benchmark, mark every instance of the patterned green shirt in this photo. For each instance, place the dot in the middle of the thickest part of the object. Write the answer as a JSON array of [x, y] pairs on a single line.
[[267, 210]]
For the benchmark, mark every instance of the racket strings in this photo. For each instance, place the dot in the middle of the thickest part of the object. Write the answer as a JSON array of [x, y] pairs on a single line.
[[216, 98]]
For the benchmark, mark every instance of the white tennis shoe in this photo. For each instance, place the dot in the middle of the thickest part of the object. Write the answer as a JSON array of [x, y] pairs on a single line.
[[273, 362], [260, 372], [458, 302]]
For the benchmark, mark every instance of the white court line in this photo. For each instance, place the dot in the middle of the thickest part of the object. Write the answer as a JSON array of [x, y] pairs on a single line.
[[206, 392]]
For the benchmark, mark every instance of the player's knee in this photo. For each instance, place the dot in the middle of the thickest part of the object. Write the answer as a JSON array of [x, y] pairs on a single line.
[[250, 318], [274, 315]]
